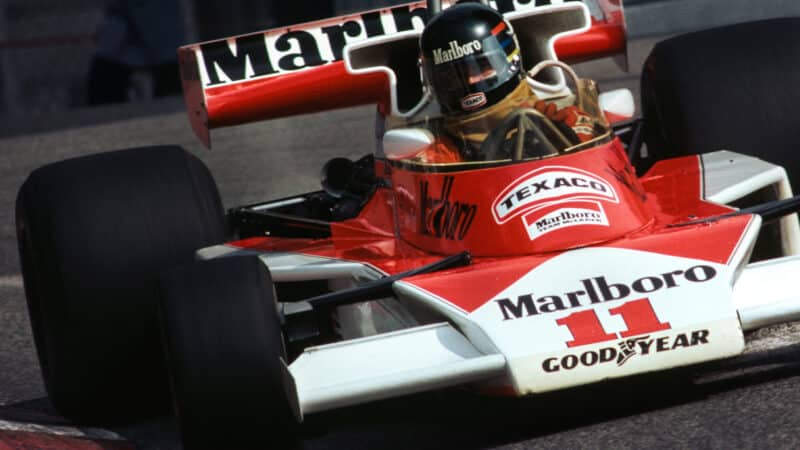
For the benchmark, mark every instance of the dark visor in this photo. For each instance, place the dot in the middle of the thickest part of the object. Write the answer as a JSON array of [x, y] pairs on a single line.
[[482, 71]]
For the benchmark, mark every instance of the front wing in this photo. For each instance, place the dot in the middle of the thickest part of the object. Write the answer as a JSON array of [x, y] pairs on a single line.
[[440, 355]]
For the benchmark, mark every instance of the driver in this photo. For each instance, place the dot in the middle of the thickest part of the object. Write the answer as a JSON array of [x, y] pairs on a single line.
[[471, 64]]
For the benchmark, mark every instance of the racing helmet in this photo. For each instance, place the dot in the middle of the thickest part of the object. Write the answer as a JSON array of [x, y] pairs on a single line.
[[470, 58]]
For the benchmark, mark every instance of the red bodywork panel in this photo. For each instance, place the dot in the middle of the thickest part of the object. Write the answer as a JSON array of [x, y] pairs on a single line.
[[516, 209], [299, 69], [637, 217]]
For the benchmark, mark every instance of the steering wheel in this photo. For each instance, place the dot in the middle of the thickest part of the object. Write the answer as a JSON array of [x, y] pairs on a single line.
[[547, 140]]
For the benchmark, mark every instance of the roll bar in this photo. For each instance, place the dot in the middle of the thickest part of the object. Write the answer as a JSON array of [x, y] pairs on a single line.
[[435, 7]]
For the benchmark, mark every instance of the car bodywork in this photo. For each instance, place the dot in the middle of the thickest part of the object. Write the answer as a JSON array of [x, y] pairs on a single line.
[[580, 270]]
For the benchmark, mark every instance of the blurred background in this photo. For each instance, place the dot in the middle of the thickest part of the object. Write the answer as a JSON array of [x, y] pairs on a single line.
[[52, 51], [61, 54]]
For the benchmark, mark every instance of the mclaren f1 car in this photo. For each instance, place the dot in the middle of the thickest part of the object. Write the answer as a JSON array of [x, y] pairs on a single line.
[[656, 244]]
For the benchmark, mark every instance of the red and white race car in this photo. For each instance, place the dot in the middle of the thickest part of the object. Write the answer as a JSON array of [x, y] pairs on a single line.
[[519, 273]]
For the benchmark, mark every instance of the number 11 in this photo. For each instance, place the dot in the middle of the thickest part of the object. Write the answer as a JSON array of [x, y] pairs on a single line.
[[639, 317]]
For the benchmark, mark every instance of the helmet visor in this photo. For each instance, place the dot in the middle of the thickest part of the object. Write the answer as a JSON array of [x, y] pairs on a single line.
[[462, 83]]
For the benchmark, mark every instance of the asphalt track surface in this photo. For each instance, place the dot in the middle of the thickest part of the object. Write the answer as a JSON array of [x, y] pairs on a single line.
[[748, 402]]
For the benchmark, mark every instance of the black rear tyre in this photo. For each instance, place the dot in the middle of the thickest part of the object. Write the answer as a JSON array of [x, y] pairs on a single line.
[[224, 343], [94, 233], [728, 88]]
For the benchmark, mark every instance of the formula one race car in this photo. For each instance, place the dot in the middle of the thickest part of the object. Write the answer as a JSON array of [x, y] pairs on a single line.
[[542, 261]]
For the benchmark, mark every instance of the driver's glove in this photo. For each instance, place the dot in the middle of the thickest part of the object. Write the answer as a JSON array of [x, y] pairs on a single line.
[[572, 117]]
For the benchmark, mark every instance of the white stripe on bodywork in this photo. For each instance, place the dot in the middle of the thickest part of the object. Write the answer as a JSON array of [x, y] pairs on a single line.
[[387, 365], [290, 266], [766, 293], [730, 176]]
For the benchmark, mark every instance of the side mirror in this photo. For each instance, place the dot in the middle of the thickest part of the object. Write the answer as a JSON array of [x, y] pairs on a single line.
[[402, 143], [343, 178], [619, 102], [336, 176]]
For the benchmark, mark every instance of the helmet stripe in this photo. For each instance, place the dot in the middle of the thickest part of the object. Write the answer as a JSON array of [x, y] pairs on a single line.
[[500, 27], [512, 55]]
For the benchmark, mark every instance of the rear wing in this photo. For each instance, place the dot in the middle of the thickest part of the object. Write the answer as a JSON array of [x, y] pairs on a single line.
[[300, 69]]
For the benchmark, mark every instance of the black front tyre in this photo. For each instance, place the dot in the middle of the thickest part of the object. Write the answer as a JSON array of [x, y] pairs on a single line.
[[94, 233], [224, 344]]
